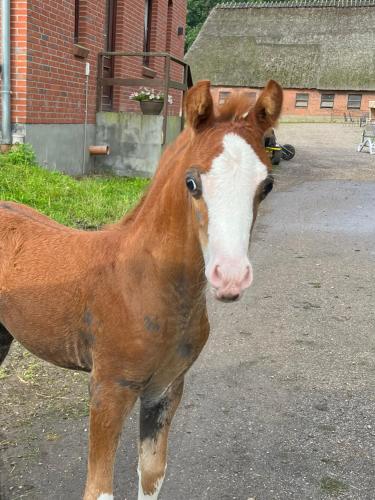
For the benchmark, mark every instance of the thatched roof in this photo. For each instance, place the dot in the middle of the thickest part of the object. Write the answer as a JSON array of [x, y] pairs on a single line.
[[323, 44]]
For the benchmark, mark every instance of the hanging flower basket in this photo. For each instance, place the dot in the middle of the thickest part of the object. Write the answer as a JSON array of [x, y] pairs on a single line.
[[151, 107], [150, 101]]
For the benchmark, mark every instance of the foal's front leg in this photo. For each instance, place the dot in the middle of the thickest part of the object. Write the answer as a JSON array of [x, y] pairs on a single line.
[[155, 421], [110, 404]]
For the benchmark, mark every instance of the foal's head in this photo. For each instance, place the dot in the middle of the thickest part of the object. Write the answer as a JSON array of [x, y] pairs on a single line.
[[227, 177]]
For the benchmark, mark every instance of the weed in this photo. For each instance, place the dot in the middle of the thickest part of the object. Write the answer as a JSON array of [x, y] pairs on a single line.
[[32, 372], [3, 373], [332, 486]]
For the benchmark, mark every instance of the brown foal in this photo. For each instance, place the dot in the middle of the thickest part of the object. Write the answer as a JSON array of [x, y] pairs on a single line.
[[127, 303]]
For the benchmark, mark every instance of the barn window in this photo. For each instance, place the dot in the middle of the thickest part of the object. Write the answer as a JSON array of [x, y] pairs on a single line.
[[326, 100], [76, 21], [147, 31], [223, 96], [302, 100], [354, 101], [252, 96]]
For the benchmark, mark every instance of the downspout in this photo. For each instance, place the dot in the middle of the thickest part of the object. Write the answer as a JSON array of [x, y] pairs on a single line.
[[87, 75], [5, 90]]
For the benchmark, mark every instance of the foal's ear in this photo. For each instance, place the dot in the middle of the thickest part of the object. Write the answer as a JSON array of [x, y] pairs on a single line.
[[199, 105], [267, 109]]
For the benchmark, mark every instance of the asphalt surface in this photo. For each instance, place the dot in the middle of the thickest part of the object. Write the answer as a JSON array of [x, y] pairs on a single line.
[[281, 403]]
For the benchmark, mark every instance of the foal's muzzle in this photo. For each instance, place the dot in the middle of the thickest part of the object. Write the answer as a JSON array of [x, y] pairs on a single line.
[[230, 278]]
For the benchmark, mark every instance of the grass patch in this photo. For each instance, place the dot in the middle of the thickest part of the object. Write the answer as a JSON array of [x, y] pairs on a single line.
[[3, 373], [86, 203], [32, 372], [333, 486]]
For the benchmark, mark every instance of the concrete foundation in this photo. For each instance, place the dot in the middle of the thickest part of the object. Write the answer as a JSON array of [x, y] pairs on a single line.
[[135, 141], [60, 146]]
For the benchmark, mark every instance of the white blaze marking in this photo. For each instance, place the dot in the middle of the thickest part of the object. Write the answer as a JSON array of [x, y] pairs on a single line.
[[142, 495], [105, 496], [228, 190]]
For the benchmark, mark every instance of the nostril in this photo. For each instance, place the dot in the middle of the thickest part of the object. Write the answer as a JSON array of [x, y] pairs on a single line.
[[248, 277], [216, 276], [218, 273]]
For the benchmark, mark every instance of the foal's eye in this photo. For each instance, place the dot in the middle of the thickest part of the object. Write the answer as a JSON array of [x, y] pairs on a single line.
[[194, 183], [191, 184]]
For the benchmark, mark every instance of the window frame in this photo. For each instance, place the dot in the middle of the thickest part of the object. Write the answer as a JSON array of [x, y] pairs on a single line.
[[251, 95], [323, 99], [147, 31], [76, 21], [168, 43], [302, 97], [348, 106], [222, 99]]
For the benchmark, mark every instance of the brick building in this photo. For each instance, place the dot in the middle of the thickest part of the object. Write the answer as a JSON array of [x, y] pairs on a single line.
[[321, 51], [53, 86]]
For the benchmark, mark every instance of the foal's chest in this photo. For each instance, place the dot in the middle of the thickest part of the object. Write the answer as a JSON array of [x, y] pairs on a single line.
[[186, 335]]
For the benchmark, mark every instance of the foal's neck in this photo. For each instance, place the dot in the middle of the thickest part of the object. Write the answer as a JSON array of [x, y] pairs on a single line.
[[164, 223]]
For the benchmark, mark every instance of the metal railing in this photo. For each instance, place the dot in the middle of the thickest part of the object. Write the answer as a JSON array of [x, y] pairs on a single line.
[[165, 83]]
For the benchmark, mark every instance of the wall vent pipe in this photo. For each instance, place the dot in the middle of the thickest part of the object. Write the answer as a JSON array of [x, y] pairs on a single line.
[[99, 150], [6, 124]]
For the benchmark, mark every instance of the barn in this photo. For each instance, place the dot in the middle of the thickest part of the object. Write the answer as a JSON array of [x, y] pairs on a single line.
[[321, 51]]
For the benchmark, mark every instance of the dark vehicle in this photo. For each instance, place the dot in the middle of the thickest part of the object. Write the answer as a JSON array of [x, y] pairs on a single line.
[[276, 151]]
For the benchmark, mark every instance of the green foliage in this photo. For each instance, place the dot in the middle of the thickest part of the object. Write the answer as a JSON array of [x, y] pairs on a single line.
[[21, 155], [87, 203], [198, 11], [3, 373]]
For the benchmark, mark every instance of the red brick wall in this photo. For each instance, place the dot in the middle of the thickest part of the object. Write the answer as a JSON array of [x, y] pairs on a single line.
[[314, 110], [48, 81], [18, 27], [130, 38], [55, 77]]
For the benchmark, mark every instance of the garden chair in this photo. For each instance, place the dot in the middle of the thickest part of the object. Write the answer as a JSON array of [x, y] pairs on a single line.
[[368, 139]]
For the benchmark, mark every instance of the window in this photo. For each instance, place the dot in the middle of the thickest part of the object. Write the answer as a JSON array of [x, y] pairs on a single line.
[[169, 25], [76, 21], [252, 96], [302, 100], [223, 96], [147, 31], [354, 101], [326, 100]]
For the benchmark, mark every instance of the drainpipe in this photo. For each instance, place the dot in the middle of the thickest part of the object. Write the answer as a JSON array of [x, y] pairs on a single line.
[[5, 91], [87, 76]]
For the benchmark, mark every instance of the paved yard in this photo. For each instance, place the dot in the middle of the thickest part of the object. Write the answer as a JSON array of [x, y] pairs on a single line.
[[281, 404]]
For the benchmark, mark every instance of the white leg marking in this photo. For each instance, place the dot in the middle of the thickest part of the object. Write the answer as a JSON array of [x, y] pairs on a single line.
[[142, 495], [105, 496]]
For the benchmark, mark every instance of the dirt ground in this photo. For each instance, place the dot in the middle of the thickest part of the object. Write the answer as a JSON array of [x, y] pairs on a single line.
[[281, 403]]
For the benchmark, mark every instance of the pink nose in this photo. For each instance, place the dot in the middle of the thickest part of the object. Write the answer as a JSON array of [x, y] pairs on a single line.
[[230, 282]]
